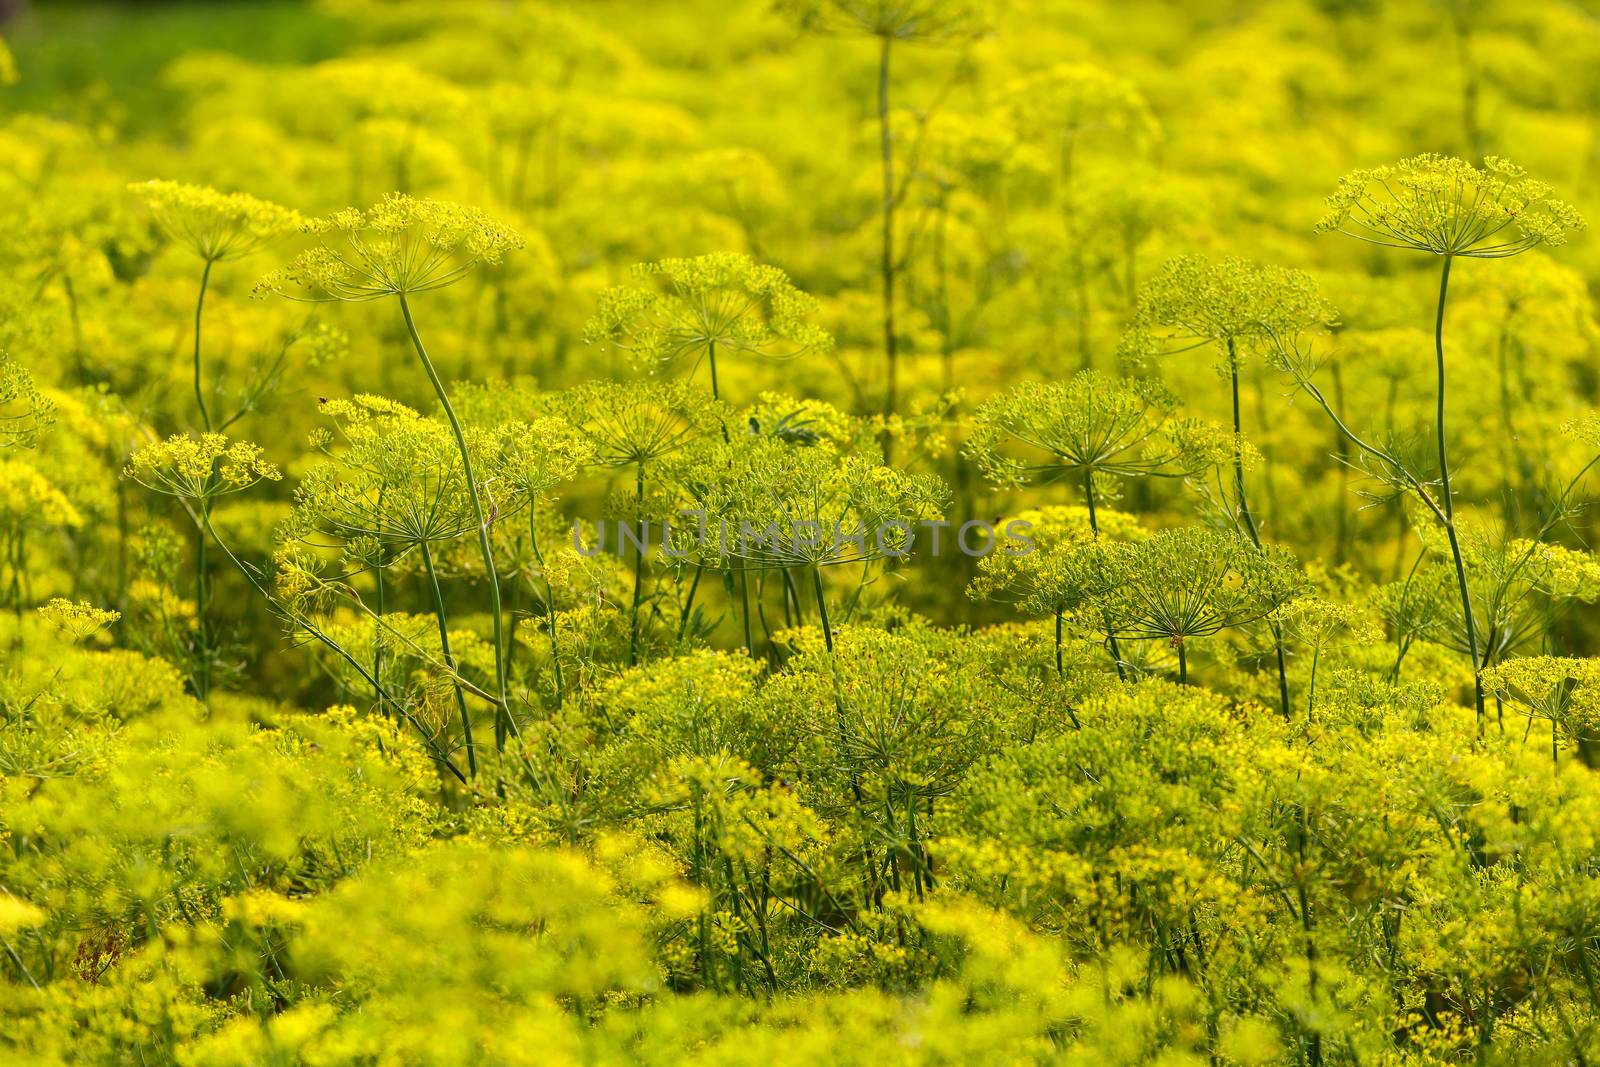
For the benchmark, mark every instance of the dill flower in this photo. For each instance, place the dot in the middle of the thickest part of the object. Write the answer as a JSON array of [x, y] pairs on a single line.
[[690, 309], [1234, 303], [1093, 424], [537, 455], [400, 246], [635, 423], [1446, 206], [199, 468], [1181, 584], [1561, 690], [398, 482], [76, 620], [920, 20], [24, 411], [214, 226], [28, 498], [1069, 100]]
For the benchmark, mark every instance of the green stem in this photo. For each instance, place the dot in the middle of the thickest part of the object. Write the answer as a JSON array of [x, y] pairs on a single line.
[[549, 604], [202, 606], [1449, 505], [822, 608], [744, 603], [886, 265], [333, 646], [1250, 522], [688, 603], [450, 660], [638, 566], [1094, 528], [199, 307], [504, 724]]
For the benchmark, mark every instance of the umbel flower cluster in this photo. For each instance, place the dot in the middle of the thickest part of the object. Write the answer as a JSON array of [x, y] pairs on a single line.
[[848, 531]]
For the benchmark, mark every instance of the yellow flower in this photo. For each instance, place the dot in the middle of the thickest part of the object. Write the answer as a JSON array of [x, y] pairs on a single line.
[[214, 226]]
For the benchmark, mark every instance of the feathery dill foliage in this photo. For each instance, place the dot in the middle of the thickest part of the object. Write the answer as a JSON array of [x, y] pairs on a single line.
[[845, 531]]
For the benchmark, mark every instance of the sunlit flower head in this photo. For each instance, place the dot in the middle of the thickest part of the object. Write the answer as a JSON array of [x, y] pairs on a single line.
[[681, 309], [1446, 206], [199, 468], [214, 226], [401, 245]]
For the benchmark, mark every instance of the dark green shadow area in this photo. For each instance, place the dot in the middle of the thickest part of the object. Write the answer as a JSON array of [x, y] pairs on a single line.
[[103, 60]]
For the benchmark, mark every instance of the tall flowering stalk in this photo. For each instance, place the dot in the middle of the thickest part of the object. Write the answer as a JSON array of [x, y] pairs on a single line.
[[1239, 307], [1450, 209], [401, 247], [889, 21], [215, 227], [197, 471]]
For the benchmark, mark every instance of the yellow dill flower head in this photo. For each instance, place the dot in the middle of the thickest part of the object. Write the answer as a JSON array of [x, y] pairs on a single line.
[[214, 226], [931, 20], [401, 245], [1071, 98], [29, 498], [1446, 206], [17, 914], [1233, 302], [199, 468], [24, 411], [77, 620], [682, 310]]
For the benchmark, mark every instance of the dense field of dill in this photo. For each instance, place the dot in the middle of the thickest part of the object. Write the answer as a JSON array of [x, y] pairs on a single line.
[[1128, 597]]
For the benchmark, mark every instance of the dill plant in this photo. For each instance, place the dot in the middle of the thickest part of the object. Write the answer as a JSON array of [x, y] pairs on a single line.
[[395, 489], [808, 508], [1240, 308], [400, 248], [1178, 585], [637, 424], [1452, 210], [215, 227], [1061, 109], [24, 410], [1095, 430], [685, 310], [197, 472], [1563, 691], [890, 22]]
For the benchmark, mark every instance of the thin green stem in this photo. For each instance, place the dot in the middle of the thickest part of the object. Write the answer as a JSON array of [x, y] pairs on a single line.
[[1250, 522], [311, 628], [886, 264], [549, 603], [638, 565], [822, 608], [504, 723], [199, 308], [202, 606], [1444, 491], [1094, 528], [450, 660]]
